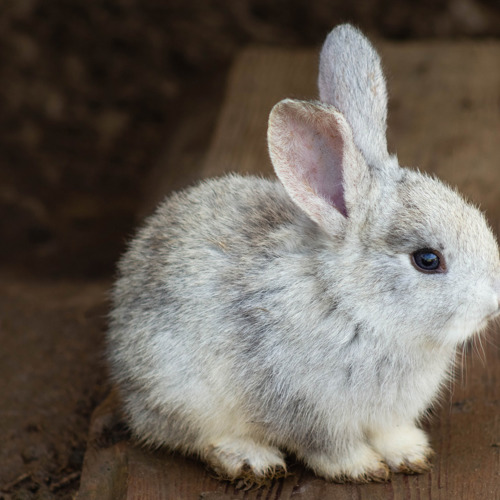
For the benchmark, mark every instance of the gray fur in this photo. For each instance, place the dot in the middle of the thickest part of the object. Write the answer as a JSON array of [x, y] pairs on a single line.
[[351, 79], [252, 316]]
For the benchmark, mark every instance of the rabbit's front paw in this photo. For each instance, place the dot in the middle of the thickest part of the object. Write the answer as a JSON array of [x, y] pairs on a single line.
[[245, 462], [360, 465], [405, 448]]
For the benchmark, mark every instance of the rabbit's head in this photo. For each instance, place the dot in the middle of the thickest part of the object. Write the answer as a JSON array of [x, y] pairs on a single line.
[[411, 254]]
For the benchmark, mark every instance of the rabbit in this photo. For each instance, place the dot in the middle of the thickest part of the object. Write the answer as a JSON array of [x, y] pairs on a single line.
[[317, 315]]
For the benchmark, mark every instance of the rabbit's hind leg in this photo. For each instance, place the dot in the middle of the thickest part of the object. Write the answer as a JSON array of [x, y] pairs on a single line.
[[405, 448], [244, 461], [357, 463]]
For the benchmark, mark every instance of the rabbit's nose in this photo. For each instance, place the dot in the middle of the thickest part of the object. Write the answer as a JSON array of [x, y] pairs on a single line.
[[495, 311], [497, 302]]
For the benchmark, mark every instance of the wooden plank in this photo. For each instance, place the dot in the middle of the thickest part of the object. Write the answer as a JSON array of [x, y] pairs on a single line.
[[258, 80], [105, 467], [444, 118]]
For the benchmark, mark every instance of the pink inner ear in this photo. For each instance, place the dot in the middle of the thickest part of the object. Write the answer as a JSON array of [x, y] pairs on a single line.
[[319, 160]]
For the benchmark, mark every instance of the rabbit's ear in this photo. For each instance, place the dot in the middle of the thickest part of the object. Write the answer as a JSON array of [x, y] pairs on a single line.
[[315, 158], [352, 80]]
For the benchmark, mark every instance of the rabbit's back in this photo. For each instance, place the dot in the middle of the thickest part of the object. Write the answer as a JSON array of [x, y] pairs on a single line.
[[197, 244], [193, 301]]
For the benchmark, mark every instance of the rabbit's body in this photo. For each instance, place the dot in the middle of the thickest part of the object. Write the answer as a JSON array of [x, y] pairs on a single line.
[[251, 318]]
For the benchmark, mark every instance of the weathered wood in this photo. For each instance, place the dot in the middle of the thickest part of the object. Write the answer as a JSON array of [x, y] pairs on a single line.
[[258, 80], [444, 118]]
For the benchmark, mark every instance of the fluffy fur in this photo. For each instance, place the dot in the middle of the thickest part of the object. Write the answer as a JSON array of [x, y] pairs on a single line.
[[253, 317]]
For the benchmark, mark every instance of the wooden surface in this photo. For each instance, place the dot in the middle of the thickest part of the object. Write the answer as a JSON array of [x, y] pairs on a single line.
[[444, 118]]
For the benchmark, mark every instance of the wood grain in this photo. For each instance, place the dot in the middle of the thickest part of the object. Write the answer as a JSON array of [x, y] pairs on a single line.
[[444, 118]]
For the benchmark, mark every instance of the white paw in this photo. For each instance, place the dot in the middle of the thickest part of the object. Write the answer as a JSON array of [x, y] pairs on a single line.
[[245, 461], [359, 465], [405, 448]]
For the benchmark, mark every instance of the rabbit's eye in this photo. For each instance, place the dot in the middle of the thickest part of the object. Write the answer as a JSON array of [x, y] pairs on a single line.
[[428, 260]]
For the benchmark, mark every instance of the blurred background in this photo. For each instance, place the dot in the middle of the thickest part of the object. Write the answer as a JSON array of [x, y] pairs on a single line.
[[94, 95]]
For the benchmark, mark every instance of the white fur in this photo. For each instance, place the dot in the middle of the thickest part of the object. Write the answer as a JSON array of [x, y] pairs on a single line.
[[401, 445], [229, 456], [359, 463], [252, 316]]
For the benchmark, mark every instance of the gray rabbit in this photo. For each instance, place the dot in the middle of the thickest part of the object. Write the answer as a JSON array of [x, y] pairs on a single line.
[[316, 315]]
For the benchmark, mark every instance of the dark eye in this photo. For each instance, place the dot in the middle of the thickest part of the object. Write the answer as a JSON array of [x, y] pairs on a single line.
[[428, 260]]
